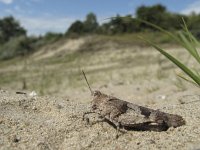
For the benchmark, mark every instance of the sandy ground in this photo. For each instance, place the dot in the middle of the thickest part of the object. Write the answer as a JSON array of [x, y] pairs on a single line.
[[56, 123]]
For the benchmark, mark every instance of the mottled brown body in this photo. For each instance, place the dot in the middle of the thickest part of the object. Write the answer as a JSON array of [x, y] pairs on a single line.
[[123, 114]]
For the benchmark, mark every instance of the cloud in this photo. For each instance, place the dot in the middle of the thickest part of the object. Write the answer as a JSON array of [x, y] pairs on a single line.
[[193, 7], [6, 1], [41, 25]]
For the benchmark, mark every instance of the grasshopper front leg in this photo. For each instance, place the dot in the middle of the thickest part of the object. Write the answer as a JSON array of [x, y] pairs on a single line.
[[100, 118]]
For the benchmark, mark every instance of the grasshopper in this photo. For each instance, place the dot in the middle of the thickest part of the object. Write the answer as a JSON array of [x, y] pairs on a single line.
[[125, 115]]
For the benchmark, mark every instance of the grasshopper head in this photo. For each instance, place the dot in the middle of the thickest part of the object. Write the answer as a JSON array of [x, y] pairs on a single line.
[[96, 93], [96, 99]]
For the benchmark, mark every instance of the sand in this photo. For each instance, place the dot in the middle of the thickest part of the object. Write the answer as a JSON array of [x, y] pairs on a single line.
[[28, 122]]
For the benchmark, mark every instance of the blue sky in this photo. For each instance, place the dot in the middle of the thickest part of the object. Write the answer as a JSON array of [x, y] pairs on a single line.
[[41, 16]]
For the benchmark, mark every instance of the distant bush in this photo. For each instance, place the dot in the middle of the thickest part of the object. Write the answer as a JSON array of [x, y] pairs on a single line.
[[10, 28], [17, 46], [51, 37], [11, 48], [76, 27], [90, 25]]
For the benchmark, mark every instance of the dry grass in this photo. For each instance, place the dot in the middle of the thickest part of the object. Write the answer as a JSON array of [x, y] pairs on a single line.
[[105, 63]]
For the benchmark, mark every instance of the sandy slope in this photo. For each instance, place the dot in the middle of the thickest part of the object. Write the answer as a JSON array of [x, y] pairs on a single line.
[[56, 123], [59, 48]]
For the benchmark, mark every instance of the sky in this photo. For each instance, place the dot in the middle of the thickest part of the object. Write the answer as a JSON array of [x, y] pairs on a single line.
[[41, 16]]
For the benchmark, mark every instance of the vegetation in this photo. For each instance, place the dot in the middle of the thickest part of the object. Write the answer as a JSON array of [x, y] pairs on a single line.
[[130, 24], [15, 42], [10, 28], [89, 26], [189, 42]]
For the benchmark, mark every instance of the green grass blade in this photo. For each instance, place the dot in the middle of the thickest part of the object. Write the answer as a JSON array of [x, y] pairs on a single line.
[[188, 80], [187, 31], [195, 41], [197, 73], [175, 61], [192, 38], [192, 44], [162, 30], [189, 47]]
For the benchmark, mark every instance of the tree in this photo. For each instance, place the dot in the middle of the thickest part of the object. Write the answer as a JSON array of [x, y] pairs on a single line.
[[119, 24], [90, 24], [76, 27], [116, 24], [10, 28], [155, 14]]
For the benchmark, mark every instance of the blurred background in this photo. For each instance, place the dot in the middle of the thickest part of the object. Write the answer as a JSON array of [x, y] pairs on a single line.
[[45, 44]]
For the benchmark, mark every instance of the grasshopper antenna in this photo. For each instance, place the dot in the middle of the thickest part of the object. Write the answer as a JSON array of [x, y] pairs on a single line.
[[86, 81]]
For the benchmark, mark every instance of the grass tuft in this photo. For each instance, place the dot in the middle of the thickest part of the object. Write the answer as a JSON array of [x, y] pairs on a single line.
[[189, 42]]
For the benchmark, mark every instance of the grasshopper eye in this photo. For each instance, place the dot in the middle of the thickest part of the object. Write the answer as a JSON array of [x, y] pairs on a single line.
[[96, 93]]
